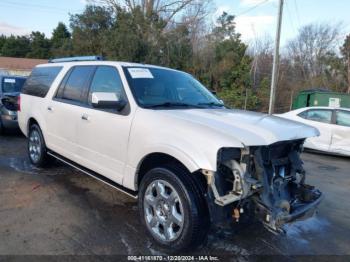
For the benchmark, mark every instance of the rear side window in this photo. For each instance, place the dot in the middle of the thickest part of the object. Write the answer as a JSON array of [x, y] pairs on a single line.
[[343, 118], [12, 84], [318, 115], [74, 86], [40, 80]]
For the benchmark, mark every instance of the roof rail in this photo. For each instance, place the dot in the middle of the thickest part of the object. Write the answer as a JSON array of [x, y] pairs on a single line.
[[76, 58]]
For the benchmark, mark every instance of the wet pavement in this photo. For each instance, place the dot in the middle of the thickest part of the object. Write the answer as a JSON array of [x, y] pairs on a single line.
[[61, 211]]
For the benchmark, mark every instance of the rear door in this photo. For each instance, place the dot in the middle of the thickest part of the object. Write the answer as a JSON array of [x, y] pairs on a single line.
[[63, 112], [341, 133], [104, 133], [322, 120]]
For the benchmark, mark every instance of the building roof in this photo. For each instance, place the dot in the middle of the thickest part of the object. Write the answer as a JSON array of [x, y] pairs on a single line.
[[14, 63]]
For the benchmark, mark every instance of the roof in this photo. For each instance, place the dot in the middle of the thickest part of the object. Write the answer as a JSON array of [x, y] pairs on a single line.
[[14, 63], [321, 107], [316, 89], [105, 62], [322, 91]]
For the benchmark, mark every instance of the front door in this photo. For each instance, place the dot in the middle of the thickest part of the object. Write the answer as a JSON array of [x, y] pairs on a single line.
[[103, 133]]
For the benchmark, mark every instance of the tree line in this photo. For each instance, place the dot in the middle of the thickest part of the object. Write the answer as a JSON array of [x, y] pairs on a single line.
[[181, 34]]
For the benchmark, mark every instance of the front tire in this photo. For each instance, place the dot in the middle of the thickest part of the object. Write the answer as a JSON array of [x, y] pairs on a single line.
[[37, 150], [172, 207]]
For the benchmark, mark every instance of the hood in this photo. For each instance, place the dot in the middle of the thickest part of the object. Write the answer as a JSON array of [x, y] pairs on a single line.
[[250, 128]]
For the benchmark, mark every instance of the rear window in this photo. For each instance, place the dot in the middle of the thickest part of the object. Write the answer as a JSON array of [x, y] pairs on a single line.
[[12, 84], [40, 80]]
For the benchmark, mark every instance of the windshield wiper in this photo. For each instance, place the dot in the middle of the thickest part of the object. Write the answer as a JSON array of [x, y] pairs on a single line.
[[210, 104], [171, 104]]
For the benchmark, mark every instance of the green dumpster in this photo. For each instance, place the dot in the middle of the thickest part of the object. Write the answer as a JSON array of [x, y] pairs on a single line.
[[317, 97]]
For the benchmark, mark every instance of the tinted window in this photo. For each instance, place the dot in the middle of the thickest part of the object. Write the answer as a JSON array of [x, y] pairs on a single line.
[[40, 80], [324, 116], [107, 79], [76, 86], [12, 84], [343, 118]]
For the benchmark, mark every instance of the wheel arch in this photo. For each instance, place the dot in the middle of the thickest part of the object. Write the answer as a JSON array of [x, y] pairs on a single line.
[[158, 159], [31, 121]]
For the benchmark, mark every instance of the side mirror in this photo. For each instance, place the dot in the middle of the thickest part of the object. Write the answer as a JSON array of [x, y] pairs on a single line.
[[107, 101]]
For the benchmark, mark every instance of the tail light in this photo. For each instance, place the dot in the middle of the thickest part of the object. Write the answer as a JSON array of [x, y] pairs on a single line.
[[19, 103]]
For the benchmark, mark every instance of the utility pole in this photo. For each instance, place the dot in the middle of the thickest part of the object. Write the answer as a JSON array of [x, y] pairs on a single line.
[[276, 59]]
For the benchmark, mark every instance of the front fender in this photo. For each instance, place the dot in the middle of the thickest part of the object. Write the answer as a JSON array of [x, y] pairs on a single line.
[[191, 160]]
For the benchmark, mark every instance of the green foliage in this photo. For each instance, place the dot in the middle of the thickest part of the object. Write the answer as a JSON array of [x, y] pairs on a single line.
[[61, 41], [2, 41], [231, 66], [60, 35], [16, 46], [39, 46], [90, 30], [138, 36]]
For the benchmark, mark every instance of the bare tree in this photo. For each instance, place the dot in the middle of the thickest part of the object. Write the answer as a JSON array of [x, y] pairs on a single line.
[[261, 50], [345, 49], [171, 11], [309, 50]]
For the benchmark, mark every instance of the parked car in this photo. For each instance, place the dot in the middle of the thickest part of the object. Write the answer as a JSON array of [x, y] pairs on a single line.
[[333, 124], [160, 136], [10, 87]]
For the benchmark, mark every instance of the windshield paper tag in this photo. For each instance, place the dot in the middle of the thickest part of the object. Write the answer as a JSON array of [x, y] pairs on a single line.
[[140, 73], [9, 80]]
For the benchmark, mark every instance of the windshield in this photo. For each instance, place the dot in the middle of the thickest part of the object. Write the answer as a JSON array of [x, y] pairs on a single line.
[[157, 88], [12, 84]]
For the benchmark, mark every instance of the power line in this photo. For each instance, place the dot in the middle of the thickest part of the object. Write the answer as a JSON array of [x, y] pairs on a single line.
[[36, 6], [290, 17], [297, 12], [252, 8]]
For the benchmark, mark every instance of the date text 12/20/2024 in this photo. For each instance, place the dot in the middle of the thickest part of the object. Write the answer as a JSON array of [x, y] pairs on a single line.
[[173, 258]]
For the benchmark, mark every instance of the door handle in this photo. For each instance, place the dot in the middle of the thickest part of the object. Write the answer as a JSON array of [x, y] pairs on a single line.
[[85, 117], [50, 108]]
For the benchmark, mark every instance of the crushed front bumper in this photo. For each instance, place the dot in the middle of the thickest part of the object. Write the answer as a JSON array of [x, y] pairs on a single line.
[[274, 219]]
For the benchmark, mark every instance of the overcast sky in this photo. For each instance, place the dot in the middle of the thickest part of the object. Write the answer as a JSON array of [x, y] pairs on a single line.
[[255, 18]]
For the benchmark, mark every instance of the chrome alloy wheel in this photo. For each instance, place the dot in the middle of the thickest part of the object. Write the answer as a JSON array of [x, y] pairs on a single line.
[[34, 146], [163, 211]]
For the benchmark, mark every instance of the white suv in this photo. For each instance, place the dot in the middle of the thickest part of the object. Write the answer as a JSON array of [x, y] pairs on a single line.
[[160, 136]]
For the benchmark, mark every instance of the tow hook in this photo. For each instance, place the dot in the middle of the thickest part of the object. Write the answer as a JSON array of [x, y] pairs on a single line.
[[237, 213]]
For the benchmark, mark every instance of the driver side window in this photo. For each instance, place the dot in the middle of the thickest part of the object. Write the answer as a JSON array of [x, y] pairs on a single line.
[[107, 79]]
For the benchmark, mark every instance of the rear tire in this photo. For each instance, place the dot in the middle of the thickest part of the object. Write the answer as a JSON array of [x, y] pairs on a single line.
[[173, 209], [37, 150]]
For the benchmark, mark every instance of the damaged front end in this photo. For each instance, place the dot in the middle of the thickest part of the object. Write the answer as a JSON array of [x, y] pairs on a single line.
[[269, 180]]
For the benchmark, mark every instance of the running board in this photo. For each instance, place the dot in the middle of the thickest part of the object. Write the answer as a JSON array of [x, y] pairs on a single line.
[[95, 175]]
